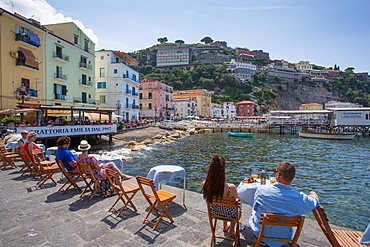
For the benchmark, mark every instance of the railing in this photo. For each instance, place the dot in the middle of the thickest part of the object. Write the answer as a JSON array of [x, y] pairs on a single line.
[[128, 106], [135, 94], [135, 107], [26, 39], [85, 83], [128, 91], [86, 101], [61, 56], [85, 65], [60, 76], [60, 97], [22, 62]]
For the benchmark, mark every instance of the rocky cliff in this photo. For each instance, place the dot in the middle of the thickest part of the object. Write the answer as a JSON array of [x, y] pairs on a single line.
[[291, 95]]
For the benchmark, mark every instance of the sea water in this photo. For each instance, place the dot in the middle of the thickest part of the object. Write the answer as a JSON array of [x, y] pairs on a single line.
[[338, 170]]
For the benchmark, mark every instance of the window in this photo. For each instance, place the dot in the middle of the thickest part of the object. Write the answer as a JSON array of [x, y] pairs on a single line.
[[149, 86], [117, 60], [134, 77], [102, 72], [84, 98], [59, 73], [102, 99], [127, 74], [150, 106], [59, 51], [133, 91], [75, 40], [149, 95], [86, 47], [25, 82], [127, 105], [83, 79], [102, 84], [127, 89], [115, 71], [140, 106], [60, 92], [101, 57]]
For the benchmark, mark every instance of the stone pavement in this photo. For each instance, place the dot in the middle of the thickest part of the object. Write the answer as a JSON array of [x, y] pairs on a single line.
[[32, 216]]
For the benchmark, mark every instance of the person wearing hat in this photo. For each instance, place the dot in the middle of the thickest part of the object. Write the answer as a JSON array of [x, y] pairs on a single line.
[[98, 169], [23, 139]]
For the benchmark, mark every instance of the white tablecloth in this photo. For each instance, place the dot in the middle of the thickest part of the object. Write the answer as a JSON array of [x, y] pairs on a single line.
[[167, 173], [15, 144], [246, 191], [115, 159]]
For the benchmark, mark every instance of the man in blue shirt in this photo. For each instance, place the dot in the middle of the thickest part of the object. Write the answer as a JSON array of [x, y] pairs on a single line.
[[66, 156], [280, 198]]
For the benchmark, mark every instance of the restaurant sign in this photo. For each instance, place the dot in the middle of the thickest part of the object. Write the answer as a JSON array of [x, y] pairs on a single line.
[[71, 130], [352, 114]]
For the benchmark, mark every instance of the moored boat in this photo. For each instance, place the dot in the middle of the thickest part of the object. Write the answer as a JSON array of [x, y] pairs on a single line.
[[327, 135], [241, 134], [165, 127]]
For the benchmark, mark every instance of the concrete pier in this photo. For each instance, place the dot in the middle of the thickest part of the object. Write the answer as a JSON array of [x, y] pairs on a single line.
[[32, 216]]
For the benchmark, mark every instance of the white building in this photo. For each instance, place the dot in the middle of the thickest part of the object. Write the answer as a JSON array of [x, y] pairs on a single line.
[[217, 110], [185, 106], [337, 104], [229, 110], [173, 54], [117, 83], [285, 74], [351, 116], [245, 71], [303, 66]]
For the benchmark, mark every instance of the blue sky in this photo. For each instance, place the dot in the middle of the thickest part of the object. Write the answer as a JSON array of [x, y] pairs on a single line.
[[323, 32]]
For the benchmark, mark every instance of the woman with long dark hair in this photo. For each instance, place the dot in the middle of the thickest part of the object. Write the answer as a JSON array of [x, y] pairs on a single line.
[[215, 187]]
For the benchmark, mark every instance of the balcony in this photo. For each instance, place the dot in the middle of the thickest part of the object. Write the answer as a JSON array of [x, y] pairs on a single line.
[[60, 97], [78, 100], [24, 38], [135, 107], [22, 63], [128, 106], [85, 66], [128, 91], [60, 77], [61, 57], [85, 83], [135, 94]]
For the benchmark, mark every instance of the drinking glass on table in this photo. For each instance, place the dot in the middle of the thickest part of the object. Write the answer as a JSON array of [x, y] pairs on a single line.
[[254, 174]]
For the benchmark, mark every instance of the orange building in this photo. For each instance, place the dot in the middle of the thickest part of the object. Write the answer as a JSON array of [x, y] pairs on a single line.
[[245, 108]]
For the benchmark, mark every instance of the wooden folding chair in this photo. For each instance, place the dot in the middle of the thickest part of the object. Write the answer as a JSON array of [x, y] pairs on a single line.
[[160, 197], [280, 220], [122, 190], [7, 158], [45, 169], [71, 177], [336, 238], [28, 167], [229, 202], [92, 183]]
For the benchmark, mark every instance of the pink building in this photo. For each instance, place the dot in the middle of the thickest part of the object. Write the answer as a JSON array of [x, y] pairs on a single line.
[[155, 100]]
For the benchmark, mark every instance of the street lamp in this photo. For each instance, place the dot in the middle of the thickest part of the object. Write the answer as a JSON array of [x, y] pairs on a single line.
[[22, 94], [118, 105], [155, 113]]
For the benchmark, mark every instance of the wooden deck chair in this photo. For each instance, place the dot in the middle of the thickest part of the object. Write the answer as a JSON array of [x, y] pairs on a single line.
[[46, 169], [229, 202], [280, 220], [71, 177], [160, 197], [28, 166], [92, 183], [7, 158], [127, 190], [336, 238]]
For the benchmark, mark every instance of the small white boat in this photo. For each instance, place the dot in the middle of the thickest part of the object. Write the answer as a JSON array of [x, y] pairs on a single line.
[[327, 135]]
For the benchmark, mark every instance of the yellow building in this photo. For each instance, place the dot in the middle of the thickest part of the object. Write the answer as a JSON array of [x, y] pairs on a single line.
[[203, 99], [21, 60], [312, 106]]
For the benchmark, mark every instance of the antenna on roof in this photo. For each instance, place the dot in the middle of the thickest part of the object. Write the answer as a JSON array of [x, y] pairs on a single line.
[[12, 6]]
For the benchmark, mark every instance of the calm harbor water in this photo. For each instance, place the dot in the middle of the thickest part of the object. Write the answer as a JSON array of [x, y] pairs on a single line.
[[338, 171]]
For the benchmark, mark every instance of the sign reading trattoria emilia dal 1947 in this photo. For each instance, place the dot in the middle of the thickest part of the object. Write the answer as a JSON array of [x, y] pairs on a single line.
[[71, 130]]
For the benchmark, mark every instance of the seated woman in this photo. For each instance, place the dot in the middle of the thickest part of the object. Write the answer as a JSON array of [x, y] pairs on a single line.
[[29, 145], [98, 169], [215, 187]]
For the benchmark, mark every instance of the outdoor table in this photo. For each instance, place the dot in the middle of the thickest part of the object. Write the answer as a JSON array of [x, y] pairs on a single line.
[[107, 158], [167, 173], [15, 144], [246, 191]]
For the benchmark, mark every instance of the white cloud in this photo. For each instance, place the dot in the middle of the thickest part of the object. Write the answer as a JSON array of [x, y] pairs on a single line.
[[43, 12], [255, 8]]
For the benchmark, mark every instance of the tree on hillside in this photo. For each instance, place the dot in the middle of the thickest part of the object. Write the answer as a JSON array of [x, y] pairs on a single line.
[[179, 41], [207, 40], [162, 40]]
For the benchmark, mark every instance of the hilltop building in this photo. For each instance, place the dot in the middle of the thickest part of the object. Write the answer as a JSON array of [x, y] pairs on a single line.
[[303, 66], [185, 106], [245, 53], [173, 54], [285, 74], [203, 98], [117, 83], [337, 104], [244, 71], [156, 100]]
